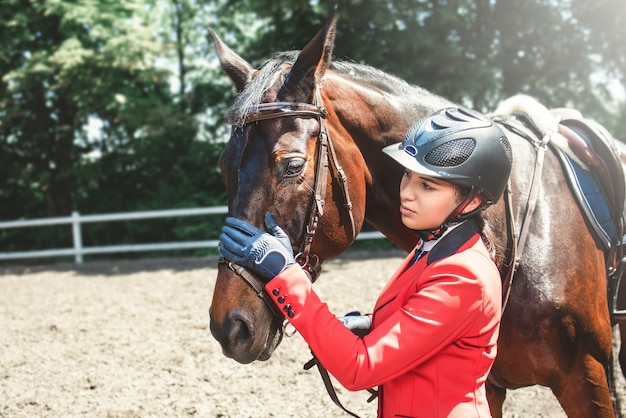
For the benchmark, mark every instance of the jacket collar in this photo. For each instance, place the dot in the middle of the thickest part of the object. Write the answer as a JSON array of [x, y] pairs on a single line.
[[451, 242]]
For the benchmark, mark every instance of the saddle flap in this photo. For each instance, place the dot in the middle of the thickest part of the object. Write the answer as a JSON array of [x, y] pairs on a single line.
[[599, 184], [607, 167]]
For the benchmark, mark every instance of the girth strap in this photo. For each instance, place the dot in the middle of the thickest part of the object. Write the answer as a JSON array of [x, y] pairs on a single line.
[[534, 192], [518, 242], [507, 280]]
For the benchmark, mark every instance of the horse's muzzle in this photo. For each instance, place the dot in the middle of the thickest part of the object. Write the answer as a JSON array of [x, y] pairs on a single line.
[[236, 336], [242, 341]]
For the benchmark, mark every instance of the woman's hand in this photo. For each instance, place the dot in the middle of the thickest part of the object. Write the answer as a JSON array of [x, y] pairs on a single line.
[[266, 254]]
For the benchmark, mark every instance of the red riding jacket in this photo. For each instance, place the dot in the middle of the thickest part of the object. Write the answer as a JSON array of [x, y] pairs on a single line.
[[433, 337]]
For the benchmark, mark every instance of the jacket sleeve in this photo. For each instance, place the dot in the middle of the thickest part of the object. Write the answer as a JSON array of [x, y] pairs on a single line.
[[435, 315]]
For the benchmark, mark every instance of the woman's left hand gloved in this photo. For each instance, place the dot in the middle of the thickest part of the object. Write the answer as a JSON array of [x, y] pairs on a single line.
[[266, 254]]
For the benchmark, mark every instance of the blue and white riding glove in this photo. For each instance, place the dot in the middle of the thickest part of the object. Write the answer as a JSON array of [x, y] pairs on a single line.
[[265, 253]]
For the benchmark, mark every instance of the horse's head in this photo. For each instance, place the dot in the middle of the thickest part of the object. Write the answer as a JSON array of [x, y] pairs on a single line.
[[279, 158]]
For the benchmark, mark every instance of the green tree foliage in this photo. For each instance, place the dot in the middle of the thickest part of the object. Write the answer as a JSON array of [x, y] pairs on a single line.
[[475, 52], [145, 75], [604, 23], [68, 63]]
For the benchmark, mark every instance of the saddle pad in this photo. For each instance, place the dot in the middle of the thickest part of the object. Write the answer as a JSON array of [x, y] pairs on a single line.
[[591, 200], [602, 211]]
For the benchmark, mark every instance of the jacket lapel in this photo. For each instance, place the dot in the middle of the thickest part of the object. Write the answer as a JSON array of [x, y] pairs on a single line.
[[448, 245]]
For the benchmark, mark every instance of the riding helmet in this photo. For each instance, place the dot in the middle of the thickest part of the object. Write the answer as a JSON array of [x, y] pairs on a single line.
[[460, 146]]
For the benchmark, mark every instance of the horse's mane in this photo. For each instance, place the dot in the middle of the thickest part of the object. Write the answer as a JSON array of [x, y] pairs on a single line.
[[269, 72], [373, 77]]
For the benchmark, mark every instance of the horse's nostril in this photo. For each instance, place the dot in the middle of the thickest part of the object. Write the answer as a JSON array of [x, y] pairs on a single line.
[[236, 336], [238, 333]]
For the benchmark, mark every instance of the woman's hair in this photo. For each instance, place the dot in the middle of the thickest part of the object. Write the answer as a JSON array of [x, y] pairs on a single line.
[[486, 233]]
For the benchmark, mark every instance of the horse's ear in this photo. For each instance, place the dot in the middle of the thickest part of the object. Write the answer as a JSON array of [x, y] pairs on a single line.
[[238, 69], [311, 64]]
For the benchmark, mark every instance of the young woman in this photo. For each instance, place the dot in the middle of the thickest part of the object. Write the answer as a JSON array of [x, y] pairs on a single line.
[[431, 340]]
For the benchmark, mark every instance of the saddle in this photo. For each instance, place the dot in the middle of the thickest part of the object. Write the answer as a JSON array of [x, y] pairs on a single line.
[[598, 185], [597, 180]]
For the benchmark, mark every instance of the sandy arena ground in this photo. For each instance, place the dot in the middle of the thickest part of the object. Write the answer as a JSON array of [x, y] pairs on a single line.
[[130, 339]]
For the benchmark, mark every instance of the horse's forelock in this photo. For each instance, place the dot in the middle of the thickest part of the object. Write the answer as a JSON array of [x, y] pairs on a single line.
[[253, 93]]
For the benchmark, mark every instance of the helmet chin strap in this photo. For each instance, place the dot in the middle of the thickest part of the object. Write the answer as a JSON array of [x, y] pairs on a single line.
[[455, 217]]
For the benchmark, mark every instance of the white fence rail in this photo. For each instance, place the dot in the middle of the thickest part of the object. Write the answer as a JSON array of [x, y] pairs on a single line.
[[78, 250]]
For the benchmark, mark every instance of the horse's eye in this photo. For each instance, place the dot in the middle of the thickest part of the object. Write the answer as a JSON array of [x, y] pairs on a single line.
[[294, 167]]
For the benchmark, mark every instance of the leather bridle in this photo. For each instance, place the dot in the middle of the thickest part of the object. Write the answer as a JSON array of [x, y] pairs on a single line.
[[325, 155]]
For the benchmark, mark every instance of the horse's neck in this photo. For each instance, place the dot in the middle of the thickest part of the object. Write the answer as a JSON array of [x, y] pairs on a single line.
[[373, 116], [373, 119]]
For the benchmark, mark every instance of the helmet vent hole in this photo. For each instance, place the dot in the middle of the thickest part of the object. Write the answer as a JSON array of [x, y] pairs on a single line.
[[451, 153], [507, 148]]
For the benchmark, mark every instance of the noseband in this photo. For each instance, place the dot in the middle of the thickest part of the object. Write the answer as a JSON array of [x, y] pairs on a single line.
[[309, 262]]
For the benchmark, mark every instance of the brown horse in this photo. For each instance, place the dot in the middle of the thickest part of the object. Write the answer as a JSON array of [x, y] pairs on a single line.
[[301, 123]]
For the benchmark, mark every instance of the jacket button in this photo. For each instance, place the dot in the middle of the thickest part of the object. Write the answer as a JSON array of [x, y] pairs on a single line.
[[275, 292], [281, 299], [290, 313]]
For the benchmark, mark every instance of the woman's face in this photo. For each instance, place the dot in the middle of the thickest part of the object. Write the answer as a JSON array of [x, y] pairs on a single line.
[[425, 202]]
